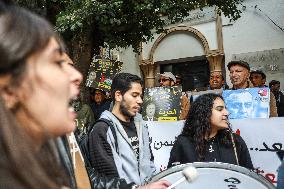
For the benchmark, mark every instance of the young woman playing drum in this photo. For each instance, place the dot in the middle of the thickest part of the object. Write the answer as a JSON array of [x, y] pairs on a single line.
[[207, 136]]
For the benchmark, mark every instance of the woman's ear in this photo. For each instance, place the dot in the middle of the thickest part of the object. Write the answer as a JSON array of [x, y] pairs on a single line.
[[10, 98], [8, 93]]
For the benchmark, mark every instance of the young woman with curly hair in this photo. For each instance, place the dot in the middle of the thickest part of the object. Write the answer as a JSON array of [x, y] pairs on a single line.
[[207, 136]]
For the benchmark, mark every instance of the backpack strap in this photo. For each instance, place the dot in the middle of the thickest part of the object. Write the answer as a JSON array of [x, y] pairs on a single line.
[[110, 124]]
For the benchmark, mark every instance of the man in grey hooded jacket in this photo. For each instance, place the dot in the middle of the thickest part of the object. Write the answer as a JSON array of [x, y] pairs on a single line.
[[121, 148]]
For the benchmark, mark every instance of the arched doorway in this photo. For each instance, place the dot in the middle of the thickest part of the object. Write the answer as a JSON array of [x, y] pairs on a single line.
[[193, 71], [212, 59]]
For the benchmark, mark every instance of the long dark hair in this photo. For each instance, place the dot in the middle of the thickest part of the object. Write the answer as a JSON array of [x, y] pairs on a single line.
[[197, 126], [22, 34], [21, 166]]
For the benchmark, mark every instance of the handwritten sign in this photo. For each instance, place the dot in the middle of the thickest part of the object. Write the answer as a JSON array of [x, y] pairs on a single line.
[[162, 103], [264, 138], [101, 71]]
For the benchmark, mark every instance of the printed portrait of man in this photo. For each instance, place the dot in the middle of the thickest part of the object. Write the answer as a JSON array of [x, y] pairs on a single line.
[[240, 105], [150, 112], [91, 79]]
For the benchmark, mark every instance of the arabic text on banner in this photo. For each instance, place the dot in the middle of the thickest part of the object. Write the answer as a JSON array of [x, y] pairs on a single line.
[[264, 138], [162, 103]]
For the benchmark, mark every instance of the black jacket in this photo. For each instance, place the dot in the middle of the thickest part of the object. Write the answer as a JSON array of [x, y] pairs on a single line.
[[279, 103], [99, 108], [184, 151]]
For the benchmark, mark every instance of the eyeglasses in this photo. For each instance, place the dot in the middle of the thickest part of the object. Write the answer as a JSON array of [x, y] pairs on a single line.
[[163, 80]]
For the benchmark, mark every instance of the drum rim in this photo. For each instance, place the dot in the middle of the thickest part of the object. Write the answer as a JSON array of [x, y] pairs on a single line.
[[218, 165]]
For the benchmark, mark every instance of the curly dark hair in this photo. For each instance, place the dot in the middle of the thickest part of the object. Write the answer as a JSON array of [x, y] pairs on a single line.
[[197, 126], [273, 82]]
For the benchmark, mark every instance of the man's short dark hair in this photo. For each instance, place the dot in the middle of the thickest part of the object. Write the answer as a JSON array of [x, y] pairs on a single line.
[[122, 82], [263, 76], [273, 82]]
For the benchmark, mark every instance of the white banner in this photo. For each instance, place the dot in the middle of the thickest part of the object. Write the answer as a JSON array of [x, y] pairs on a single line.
[[264, 137]]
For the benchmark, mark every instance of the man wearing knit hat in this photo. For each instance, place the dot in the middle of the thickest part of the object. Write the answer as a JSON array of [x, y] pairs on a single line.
[[167, 79], [239, 76]]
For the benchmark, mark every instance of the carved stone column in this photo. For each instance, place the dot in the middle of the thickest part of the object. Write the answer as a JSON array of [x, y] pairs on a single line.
[[148, 69]]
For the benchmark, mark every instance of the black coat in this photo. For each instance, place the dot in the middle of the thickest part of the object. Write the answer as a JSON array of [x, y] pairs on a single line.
[[279, 103], [184, 151], [99, 108]]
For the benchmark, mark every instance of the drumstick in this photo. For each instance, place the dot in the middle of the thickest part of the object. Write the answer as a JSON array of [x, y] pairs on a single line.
[[189, 174]]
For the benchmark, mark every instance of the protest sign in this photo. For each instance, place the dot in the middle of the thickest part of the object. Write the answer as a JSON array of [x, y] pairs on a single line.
[[101, 71], [247, 103], [263, 137], [161, 103]]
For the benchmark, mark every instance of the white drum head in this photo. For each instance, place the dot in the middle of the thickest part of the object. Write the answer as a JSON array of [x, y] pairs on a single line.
[[216, 176]]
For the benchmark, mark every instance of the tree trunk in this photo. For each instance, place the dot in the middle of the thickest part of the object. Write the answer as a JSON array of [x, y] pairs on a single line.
[[82, 57]]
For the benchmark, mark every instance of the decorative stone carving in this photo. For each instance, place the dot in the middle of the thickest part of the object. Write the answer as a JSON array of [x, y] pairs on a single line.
[[197, 33], [215, 62], [149, 74], [215, 57]]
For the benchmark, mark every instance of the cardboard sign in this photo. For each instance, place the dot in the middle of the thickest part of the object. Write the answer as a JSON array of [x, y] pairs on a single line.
[[161, 104], [102, 70]]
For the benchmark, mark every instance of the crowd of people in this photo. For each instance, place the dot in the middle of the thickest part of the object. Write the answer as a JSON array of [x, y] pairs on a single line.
[[241, 77], [37, 117]]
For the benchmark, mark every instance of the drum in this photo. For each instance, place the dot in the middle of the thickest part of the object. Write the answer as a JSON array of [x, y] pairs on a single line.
[[215, 175]]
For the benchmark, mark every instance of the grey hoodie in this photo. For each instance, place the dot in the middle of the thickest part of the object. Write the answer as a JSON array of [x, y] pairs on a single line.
[[125, 160]]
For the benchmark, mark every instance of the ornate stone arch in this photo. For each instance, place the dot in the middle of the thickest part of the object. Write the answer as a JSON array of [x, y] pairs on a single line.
[[214, 56], [189, 29]]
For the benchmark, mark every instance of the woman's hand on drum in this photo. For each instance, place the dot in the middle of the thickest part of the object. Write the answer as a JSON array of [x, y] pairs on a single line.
[[161, 184]]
